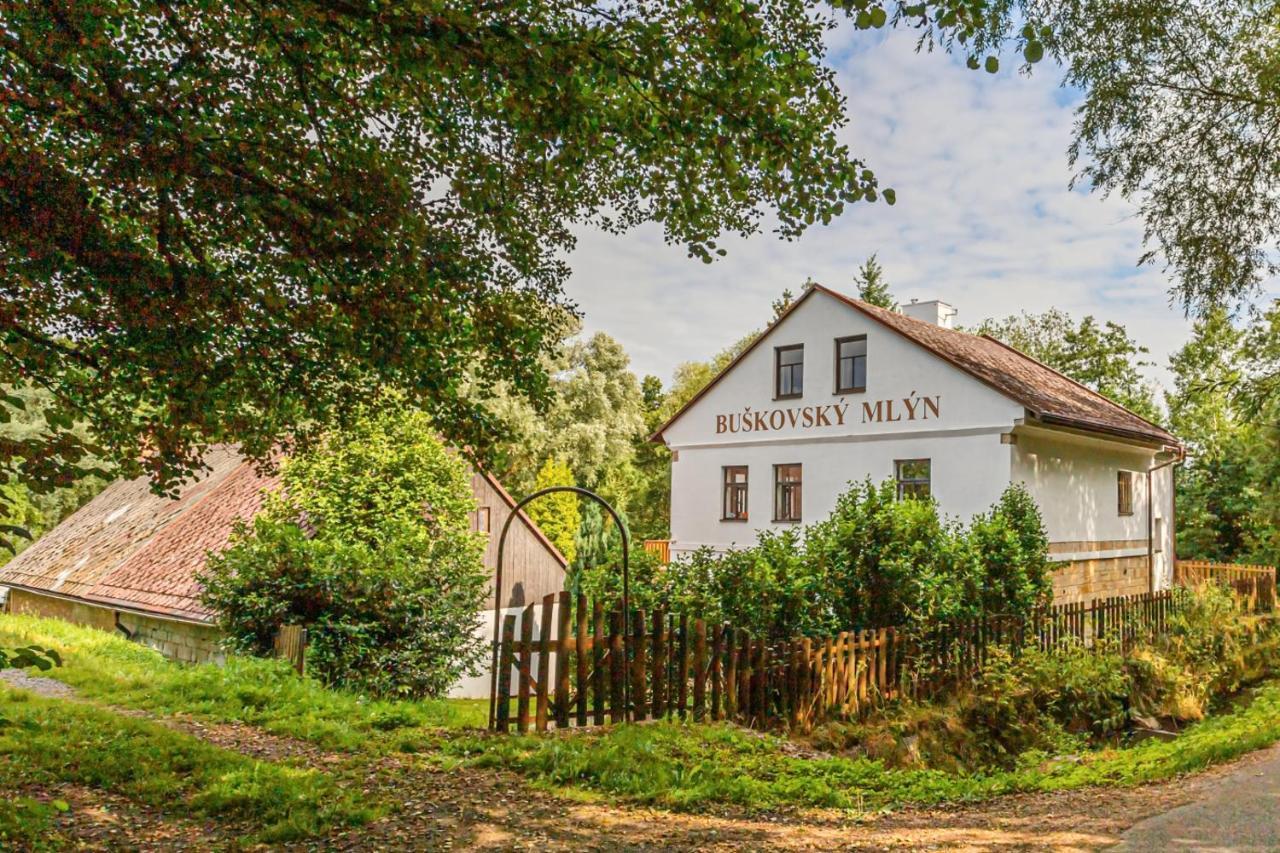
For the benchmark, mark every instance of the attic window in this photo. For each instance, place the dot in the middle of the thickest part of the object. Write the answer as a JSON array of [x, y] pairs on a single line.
[[851, 364], [788, 371]]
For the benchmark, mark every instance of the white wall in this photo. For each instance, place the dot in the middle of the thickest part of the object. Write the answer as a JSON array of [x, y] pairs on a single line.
[[970, 467], [896, 369], [1162, 488], [968, 474], [477, 686], [1074, 481]]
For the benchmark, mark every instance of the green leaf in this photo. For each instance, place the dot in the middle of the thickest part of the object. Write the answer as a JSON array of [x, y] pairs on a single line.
[[878, 17], [61, 805], [890, 197], [972, 62], [1033, 52], [992, 65]]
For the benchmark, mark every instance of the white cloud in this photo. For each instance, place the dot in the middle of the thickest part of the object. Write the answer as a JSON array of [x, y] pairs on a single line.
[[984, 219]]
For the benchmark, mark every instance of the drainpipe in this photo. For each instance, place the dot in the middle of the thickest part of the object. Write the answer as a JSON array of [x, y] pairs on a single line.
[[1151, 521], [128, 635]]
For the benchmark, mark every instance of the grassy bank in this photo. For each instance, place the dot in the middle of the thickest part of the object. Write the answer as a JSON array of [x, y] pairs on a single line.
[[674, 765], [262, 693], [691, 766], [45, 742]]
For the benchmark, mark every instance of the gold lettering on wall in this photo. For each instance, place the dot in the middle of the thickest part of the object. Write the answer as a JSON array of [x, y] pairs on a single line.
[[913, 407]]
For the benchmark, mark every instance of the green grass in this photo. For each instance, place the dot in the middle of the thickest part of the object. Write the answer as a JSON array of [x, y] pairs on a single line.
[[673, 765], [263, 693], [45, 742], [693, 766]]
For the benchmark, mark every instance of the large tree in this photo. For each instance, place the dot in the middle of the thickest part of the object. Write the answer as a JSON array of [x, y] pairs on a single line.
[[1229, 487], [1182, 115], [231, 221]]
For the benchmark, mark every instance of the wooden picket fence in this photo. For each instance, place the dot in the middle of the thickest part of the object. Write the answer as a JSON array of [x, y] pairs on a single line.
[[591, 666], [1254, 586], [290, 643]]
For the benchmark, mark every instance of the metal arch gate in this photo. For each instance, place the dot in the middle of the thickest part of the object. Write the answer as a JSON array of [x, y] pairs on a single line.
[[497, 593]]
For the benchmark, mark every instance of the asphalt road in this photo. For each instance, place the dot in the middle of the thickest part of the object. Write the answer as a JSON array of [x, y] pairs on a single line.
[[1239, 812]]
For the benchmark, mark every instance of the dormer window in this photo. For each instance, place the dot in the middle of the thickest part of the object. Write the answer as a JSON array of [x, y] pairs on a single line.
[[788, 372], [851, 364]]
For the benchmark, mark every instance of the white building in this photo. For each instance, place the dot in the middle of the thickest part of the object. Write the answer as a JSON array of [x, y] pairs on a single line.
[[837, 390]]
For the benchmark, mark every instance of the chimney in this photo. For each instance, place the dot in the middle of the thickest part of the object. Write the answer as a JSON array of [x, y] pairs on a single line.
[[934, 311]]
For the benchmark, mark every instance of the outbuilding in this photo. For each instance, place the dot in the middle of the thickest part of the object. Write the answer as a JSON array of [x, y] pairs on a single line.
[[837, 390], [127, 561]]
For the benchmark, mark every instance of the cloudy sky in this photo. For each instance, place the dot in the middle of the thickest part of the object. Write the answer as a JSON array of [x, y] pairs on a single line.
[[984, 220]]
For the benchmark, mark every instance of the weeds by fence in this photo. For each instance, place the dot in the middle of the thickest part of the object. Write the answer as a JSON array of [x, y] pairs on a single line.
[[1255, 586], [589, 665]]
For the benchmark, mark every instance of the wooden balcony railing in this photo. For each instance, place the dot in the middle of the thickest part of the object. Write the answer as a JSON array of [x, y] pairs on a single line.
[[660, 548]]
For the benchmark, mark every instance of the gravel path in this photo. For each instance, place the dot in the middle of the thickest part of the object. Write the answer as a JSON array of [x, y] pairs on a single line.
[[50, 687]]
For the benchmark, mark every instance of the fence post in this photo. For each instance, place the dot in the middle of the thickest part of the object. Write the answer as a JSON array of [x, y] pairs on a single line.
[[544, 659], [582, 660], [682, 666], [731, 673], [699, 670], [562, 662], [617, 666], [658, 663], [717, 676], [639, 695], [503, 719], [598, 658], [526, 668], [291, 644]]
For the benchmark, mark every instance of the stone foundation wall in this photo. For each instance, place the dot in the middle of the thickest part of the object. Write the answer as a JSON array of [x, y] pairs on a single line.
[[1085, 580], [181, 641]]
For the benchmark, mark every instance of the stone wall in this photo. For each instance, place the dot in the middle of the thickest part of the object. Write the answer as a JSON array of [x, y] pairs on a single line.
[[1085, 580], [182, 641]]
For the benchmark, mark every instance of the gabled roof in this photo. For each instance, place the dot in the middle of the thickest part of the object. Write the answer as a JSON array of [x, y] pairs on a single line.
[[1048, 395], [536, 530], [131, 549], [136, 550]]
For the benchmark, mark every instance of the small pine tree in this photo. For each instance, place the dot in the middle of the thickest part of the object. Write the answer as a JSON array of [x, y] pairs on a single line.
[[872, 288], [558, 514], [591, 546]]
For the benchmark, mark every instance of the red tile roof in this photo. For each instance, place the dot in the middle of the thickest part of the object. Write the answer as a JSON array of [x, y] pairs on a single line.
[[136, 550], [131, 549], [1048, 395]]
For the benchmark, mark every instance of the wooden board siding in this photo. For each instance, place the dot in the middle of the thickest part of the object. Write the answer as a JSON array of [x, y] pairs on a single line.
[[532, 568], [1085, 580]]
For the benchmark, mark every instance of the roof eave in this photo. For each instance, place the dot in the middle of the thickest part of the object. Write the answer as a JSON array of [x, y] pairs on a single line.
[[1158, 440], [112, 604]]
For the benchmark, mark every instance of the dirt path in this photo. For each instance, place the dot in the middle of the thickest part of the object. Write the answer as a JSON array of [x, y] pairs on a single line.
[[465, 808], [488, 810]]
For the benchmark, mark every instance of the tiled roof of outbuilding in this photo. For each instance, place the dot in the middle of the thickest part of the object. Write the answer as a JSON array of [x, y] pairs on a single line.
[[131, 548]]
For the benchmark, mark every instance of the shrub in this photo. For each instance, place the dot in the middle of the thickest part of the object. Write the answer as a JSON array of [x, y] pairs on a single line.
[[1039, 699], [1012, 551], [876, 561], [369, 545]]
